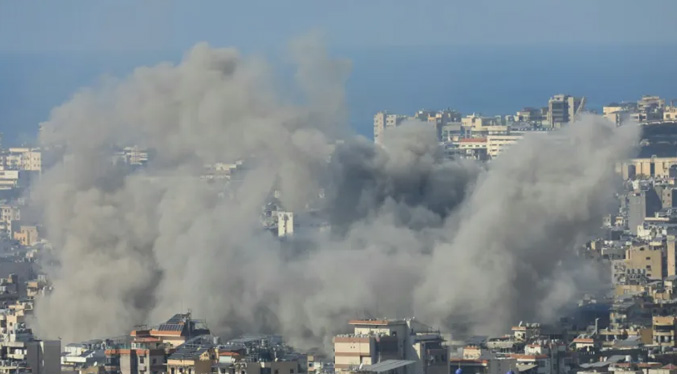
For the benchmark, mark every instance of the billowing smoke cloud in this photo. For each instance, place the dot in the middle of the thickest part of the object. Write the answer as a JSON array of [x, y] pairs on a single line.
[[411, 232]]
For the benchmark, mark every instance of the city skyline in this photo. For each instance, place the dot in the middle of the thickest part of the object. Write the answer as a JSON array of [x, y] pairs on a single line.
[[378, 187]]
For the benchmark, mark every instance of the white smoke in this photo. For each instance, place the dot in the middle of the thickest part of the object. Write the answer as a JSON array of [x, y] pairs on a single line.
[[411, 232]]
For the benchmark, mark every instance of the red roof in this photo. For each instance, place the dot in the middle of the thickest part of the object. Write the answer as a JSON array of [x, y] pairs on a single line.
[[584, 340]]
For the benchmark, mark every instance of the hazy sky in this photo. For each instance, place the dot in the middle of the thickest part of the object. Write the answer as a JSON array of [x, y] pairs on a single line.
[[172, 25], [514, 52]]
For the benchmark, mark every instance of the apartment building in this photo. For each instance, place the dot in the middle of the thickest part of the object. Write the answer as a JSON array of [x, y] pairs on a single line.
[[496, 144], [27, 235], [384, 121], [664, 329], [404, 346], [21, 158], [21, 353]]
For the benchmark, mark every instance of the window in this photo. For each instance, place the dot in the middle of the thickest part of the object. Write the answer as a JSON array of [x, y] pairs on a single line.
[[291, 371], [154, 361], [648, 258], [142, 360]]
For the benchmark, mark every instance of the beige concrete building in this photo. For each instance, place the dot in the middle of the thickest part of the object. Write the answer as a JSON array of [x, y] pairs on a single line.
[[197, 361], [409, 345], [650, 102], [480, 361], [272, 367], [617, 113], [491, 130], [499, 143], [648, 167], [526, 331], [27, 235], [646, 260], [671, 256], [670, 113], [664, 330], [472, 143], [140, 357], [666, 369], [477, 122], [178, 329]]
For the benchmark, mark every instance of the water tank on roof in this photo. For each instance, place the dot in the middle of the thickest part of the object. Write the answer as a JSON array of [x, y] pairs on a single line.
[[459, 371], [510, 372]]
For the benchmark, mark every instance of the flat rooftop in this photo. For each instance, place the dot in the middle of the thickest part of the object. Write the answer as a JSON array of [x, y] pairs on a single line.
[[386, 366], [377, 322]]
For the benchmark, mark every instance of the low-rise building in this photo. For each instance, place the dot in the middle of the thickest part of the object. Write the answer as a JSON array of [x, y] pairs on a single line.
[[664, 329], [27, 235], [378, 340], [192, 359]]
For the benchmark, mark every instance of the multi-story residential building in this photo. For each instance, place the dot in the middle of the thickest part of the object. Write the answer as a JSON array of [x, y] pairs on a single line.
[[651, 107], [8, 213], [27, 235], [531, 115], [178, 329], [408, 346], [476, 360], [671, 256], [496, 144], [144, 355], [476, 122], [20, 353], [9, 179], [563, 109], [191, 359], [645, 260], [526, 331], [641, 205], [384, 121], [648, 166], [25, 159], [664, 331], [670, 113], [133, 156], [36, 287]]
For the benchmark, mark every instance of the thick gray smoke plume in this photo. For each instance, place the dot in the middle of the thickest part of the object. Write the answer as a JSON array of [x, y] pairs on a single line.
[[411, 233]]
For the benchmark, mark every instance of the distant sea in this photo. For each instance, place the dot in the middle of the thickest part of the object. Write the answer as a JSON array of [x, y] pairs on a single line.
[[483, 79]]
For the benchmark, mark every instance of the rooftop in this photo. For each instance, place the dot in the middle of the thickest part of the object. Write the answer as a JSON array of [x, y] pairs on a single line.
[[377, 322], [386, 366]]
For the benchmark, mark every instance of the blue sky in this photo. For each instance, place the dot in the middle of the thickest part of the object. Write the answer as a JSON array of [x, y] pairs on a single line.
[[104, 25], [490, 56]]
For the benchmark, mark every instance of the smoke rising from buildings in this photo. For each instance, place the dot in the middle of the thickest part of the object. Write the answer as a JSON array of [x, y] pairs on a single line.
[[411, 232]]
